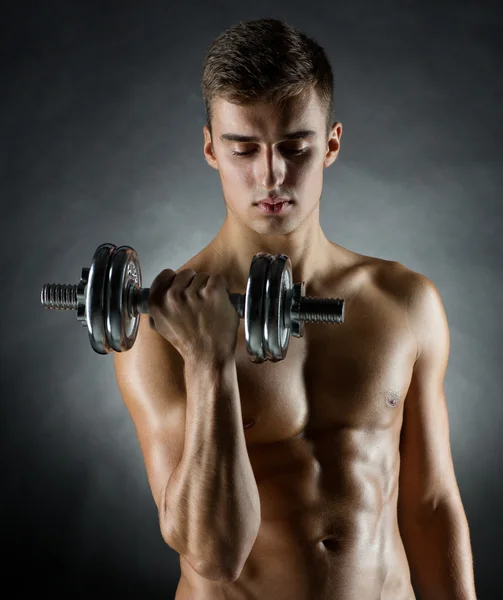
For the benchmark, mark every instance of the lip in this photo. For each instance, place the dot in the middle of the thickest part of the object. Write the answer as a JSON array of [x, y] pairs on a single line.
[[273, 202], [274, 209]]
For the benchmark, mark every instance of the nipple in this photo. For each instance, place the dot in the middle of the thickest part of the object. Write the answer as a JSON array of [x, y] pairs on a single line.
[[393, 400]]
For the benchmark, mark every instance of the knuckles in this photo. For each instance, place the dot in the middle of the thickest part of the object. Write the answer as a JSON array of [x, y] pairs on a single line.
[[172, 288]]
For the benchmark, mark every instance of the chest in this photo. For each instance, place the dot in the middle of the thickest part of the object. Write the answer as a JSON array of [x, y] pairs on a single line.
[[354, 375]]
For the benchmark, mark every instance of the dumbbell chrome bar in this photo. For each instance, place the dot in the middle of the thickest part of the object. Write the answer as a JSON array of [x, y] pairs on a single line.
[[109, 299]]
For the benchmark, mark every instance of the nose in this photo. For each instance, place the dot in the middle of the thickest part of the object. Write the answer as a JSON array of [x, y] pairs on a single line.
[[271, 169]]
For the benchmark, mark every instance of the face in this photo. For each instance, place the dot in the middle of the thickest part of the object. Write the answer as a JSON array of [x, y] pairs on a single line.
[[262, 153]]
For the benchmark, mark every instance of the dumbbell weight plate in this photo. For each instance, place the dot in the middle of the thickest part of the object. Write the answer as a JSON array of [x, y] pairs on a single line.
[[278, 281], [121, 322], [95, 298], [254, 307]]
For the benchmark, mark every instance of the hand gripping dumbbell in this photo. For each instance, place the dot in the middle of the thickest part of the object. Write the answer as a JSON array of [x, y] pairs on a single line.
[[109, 300]]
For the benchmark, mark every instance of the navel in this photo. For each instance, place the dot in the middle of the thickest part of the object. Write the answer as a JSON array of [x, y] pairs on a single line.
[[332, 543]]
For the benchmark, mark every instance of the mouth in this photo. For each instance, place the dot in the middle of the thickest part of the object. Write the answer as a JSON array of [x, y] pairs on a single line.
[[274, 206], [273, 201]]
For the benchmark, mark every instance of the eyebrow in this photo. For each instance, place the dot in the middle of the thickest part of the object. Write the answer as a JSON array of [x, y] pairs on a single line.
[[296, 135]]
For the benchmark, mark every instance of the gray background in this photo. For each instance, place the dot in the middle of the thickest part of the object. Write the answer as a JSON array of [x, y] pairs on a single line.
[[101, 141]]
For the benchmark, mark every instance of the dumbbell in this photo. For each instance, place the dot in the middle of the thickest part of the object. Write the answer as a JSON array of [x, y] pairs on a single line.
[[109, 300]]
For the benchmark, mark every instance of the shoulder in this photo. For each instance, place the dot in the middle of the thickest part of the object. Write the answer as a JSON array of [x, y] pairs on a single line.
[[418, 290], [388, 276], [422, 302], [395, 278], [411, 285], [412, 293]]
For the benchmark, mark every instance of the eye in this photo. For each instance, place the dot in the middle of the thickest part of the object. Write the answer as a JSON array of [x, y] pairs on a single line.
[[242, 153], [287, 151]]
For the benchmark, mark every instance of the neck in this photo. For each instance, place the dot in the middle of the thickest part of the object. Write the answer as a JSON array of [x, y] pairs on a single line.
[[310, 252]]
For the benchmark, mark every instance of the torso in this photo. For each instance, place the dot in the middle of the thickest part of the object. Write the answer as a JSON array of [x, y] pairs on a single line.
[[324, 447]]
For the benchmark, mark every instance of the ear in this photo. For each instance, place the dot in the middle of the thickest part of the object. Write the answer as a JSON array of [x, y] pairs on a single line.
[[333, 144], [209, 152]]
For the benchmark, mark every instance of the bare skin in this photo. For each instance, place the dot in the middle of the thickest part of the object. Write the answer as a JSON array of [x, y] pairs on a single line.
[[322, 429]]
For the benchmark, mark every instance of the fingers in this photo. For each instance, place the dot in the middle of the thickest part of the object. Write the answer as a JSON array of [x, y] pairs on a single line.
[[156, 293], [158, 288], [197, 285], [186, 284], [216, 281]]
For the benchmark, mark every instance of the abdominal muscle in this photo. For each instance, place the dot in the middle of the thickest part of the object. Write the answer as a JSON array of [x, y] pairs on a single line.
[[324, 448], [314, 544]]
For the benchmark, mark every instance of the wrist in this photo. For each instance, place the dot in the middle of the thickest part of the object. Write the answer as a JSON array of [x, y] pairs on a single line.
[[199, 361]]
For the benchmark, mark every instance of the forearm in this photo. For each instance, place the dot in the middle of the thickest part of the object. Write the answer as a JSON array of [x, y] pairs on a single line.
[[211, 502], [438, 549]]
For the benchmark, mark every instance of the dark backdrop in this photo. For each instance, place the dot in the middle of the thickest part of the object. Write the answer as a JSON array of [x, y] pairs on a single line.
[[101, 141]]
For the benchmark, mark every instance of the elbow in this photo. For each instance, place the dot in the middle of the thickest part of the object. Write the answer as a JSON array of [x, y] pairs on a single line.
[[168, 533], [228, 566], [224, 570], [219, 573], [450, 503]]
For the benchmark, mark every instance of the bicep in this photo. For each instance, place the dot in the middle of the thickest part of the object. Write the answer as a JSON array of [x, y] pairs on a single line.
[[426, 471], [151, 383], [426, 468]]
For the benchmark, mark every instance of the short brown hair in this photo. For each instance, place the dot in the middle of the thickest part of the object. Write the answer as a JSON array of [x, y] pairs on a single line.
[[267, 60]]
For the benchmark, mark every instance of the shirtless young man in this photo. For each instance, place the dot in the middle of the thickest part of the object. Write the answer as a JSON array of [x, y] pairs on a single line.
[[328, 475]]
